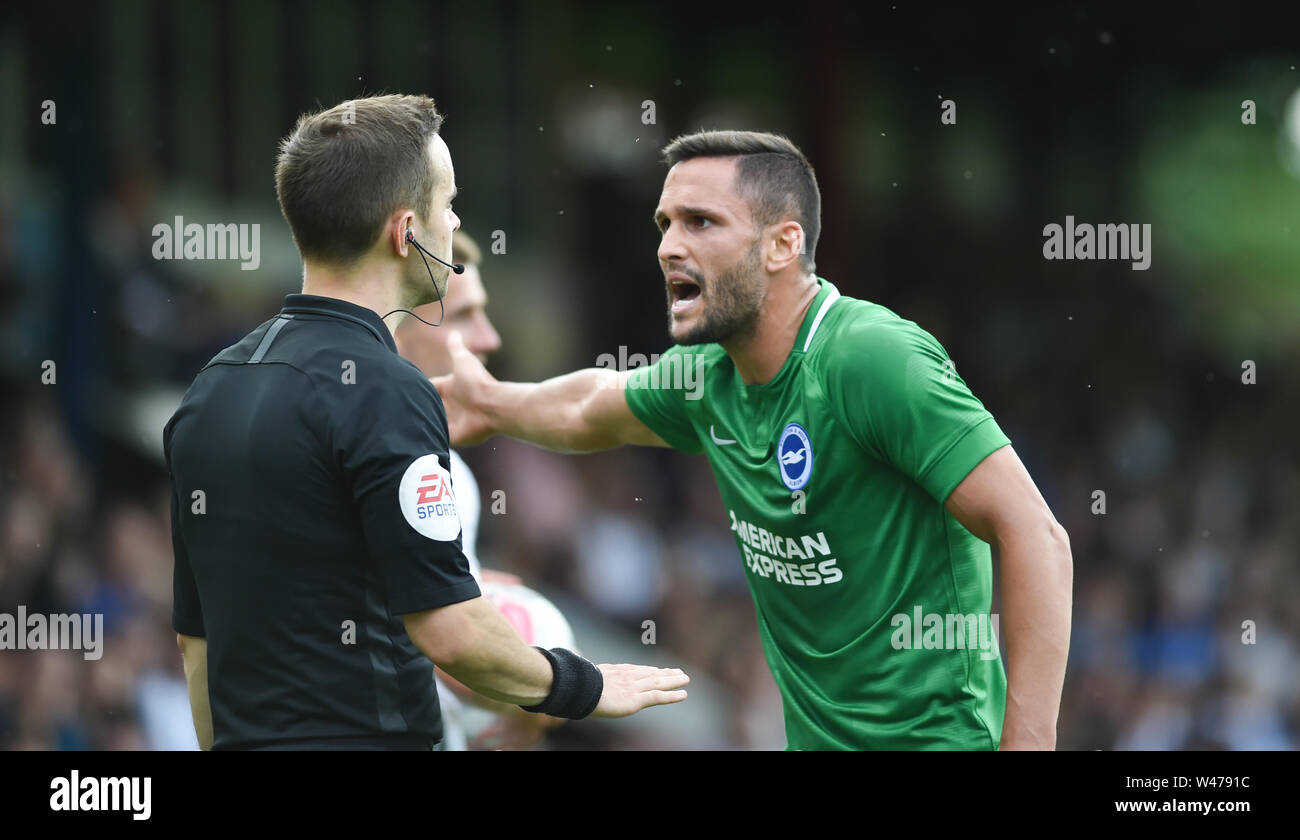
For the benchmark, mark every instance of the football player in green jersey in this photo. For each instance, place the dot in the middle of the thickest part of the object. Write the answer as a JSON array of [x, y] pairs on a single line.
[[864, 482]]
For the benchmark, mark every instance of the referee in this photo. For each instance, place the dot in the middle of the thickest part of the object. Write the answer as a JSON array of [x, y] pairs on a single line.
[[319, 571]]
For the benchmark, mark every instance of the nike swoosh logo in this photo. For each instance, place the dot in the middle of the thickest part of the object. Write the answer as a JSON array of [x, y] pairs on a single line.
[[716, 439]]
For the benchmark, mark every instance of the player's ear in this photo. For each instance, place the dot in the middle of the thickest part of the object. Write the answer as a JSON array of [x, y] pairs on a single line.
[[783, 244]]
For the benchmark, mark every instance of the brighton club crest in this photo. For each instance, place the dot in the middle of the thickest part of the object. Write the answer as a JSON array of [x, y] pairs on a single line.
[[794, 456]]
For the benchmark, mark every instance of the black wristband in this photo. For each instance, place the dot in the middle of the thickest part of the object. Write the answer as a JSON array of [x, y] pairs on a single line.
[[576, 689]]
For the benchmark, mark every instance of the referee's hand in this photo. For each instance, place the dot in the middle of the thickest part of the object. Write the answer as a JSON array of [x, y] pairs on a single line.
[[631, 688]]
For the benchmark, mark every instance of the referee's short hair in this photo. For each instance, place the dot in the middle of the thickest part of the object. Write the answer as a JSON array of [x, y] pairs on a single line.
[[772, 175], [344, 170]]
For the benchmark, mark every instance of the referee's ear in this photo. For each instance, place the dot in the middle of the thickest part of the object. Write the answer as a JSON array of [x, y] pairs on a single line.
[[398, 224]]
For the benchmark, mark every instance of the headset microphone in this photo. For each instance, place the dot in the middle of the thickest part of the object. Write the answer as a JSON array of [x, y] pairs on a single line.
[[459, 268]]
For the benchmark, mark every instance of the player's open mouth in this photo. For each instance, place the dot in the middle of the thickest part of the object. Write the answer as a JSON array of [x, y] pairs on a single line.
[[685, 293]]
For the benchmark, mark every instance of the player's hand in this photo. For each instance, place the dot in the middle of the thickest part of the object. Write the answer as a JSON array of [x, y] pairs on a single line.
[[462, 393], [631, 688]]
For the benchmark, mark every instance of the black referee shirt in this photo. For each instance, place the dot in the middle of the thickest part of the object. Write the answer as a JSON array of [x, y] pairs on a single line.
[[311, 508]]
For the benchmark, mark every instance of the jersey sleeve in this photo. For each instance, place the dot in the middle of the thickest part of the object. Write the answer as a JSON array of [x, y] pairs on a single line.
[[390, 438], [187, 613], [657, 394], [904, 402]]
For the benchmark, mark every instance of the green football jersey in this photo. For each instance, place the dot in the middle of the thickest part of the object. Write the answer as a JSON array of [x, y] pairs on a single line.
[[872, 600]]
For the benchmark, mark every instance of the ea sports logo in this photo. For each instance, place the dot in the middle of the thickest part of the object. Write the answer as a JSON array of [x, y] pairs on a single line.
[[794, 456], [432, 490], [427, 501]]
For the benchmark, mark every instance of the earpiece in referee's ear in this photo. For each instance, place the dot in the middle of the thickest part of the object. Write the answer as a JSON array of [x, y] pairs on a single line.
[[410, 237]]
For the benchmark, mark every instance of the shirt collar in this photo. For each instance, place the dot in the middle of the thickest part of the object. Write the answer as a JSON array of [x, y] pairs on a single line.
[[343, 310], [816, 311]]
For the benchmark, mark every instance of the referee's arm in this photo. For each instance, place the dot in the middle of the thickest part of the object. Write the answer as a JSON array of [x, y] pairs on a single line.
[[187, 617], [392, 439], [474, 643], [194, 650]]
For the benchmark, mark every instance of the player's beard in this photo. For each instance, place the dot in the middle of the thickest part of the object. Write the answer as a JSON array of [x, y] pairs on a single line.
[[732, 302]]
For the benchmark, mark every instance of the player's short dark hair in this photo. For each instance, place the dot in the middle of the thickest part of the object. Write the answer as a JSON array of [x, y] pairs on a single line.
[[771, 174], [344, 170], [464, 249]]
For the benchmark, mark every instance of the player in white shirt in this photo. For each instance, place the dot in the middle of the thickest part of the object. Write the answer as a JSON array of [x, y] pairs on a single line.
[[468, 503], [426, 347]]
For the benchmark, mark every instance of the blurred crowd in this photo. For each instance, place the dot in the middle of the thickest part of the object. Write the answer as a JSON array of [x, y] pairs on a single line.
[[70, 544]]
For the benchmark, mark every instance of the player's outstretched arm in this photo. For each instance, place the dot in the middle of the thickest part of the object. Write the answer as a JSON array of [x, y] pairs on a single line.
[[999, 503], [475, 644], [583, 411]]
